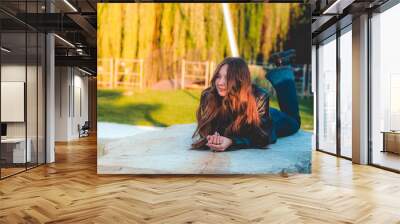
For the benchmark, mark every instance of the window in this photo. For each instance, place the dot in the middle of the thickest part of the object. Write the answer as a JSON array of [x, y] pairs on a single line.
[[23, 87], [346, 93], [327, 96], [385, 86]]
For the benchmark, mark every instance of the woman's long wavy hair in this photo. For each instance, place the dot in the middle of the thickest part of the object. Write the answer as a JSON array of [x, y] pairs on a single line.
[[238, 106]]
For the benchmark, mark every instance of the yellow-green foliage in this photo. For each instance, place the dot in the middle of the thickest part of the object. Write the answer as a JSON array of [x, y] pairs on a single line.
[[165, 33]]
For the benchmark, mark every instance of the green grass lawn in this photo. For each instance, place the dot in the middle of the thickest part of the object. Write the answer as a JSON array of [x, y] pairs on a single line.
[[166, 107]]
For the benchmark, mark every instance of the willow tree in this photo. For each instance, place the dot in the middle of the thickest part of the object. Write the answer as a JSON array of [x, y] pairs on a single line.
[[164, 34], [130, 31]]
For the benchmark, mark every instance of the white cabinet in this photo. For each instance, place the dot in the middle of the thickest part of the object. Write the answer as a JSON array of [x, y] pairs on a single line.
[[17, 145]]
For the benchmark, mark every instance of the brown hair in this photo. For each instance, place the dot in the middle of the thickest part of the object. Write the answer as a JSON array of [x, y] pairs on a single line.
[[239, 104]]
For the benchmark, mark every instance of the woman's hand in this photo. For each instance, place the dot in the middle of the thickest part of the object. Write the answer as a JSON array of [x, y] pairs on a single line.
[[217, 142]]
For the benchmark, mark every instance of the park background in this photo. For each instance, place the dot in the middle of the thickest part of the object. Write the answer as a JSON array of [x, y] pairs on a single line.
[[154, 59]]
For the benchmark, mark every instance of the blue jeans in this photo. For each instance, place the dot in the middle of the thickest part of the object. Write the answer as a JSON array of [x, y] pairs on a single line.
[[285, 121]]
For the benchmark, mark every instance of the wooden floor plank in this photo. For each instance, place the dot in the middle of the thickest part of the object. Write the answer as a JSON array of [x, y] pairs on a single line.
[[70, 191]]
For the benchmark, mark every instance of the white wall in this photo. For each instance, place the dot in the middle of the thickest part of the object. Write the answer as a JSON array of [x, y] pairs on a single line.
[[33, 126], [13, 101], [71, 94], [12, 73], [80, 110], [62, 81]]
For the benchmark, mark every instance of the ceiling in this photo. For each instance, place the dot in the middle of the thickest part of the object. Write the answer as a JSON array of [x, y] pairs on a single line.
[[74, 22], [330, 15]]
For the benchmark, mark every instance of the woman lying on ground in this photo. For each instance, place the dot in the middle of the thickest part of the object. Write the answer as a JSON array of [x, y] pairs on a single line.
[[234, 113]]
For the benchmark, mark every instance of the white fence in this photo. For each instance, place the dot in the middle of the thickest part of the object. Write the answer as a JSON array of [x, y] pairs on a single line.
[[120, 73], [196, 74], [129, 74]]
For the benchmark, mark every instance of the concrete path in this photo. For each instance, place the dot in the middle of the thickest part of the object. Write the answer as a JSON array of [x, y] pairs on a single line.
[[107, 130], [167, 151]]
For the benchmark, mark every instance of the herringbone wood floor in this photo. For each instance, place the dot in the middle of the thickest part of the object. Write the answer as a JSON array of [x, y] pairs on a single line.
[[70, 191]]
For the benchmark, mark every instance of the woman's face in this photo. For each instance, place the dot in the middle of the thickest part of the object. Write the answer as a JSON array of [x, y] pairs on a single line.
[[220, 81]]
